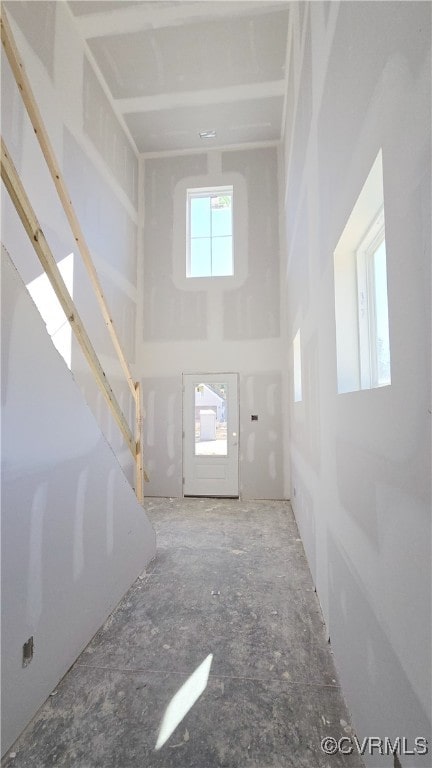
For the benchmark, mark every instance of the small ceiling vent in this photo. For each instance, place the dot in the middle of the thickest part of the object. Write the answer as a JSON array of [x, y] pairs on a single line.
[[207, 134]]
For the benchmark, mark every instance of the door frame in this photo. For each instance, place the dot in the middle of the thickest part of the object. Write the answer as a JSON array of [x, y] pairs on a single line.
[[216, 374]]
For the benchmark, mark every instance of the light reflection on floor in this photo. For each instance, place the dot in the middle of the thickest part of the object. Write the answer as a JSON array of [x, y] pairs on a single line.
[[183, 700]]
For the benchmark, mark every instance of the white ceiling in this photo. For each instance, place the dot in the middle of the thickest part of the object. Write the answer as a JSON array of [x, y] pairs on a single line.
[[174, 69]]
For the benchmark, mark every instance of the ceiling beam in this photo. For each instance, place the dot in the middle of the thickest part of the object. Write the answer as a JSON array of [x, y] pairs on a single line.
[[209, 96], [154, 15], [215, 148]]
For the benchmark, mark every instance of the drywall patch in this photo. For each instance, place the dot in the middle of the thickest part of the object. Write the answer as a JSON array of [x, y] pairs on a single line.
[[250, 447], [107, 135], [272, 465], [171, 426], [270, 397], [311, 377]]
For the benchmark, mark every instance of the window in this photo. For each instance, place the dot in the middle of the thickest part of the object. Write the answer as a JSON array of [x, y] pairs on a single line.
[[56, 322], [361, 303], [297, 368], [211, 256], [373, 307], [210, 232]]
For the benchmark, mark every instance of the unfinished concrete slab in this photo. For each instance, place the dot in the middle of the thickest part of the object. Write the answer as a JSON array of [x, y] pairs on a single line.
[[230, 586]]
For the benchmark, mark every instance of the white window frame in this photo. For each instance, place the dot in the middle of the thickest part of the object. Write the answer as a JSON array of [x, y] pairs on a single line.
[[354, 285], [367, 311], [193, 193], [211, 285]]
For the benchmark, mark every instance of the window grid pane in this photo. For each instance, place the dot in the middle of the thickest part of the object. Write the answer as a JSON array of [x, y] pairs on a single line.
[[221, 257], [200, 257], [221, 221], [200, 218]]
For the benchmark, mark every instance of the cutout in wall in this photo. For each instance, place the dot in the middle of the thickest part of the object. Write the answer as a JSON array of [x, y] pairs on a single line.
[[28, 648], [57, 324], [209, 249], [361, 302], [297, 368]]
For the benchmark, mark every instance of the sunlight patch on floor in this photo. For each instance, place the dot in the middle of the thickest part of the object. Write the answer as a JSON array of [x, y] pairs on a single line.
[[183, 701]]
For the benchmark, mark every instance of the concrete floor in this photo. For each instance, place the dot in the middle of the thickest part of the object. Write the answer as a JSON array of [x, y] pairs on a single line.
[[230, 579]]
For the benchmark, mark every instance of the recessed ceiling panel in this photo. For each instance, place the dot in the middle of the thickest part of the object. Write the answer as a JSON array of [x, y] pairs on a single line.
[[235, 123], [197, 56]]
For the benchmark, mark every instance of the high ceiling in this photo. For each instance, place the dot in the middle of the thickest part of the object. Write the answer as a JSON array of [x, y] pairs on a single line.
[[174, 69]]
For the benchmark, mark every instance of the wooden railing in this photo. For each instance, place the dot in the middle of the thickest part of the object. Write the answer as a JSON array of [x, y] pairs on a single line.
[[31, 225]]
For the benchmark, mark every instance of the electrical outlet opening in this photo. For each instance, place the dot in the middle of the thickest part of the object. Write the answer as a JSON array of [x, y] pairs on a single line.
[[28, 651]]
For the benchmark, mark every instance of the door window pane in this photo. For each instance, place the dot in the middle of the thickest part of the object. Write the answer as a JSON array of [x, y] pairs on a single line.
[[211, 419]]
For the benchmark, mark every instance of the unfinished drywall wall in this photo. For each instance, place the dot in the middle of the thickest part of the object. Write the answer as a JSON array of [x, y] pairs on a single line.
[[74, 537], [360, 461], [212, 325], [101, 175]]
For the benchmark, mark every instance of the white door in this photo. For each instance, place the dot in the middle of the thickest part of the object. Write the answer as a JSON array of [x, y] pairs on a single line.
[[210, 434]]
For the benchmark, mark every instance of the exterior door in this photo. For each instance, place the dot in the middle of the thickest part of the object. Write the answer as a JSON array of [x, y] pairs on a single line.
[[210, 434]]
